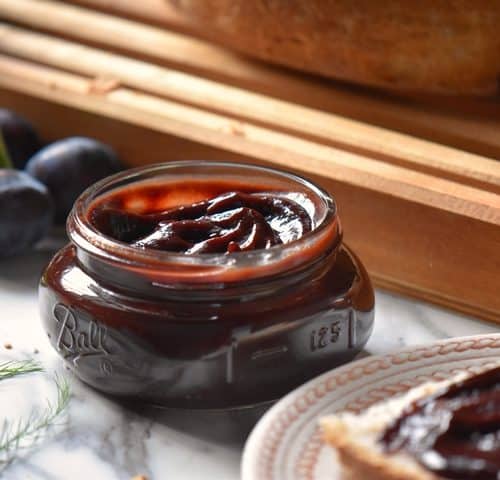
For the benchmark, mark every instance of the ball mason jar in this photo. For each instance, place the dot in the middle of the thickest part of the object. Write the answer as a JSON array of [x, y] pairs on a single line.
[[205, 330]]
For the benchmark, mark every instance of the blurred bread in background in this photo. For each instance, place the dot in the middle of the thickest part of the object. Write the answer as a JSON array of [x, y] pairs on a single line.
[[435, 46]]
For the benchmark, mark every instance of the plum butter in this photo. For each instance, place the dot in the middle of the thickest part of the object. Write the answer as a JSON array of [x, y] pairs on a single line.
[[454, 433], [232, 222], [205, 285]]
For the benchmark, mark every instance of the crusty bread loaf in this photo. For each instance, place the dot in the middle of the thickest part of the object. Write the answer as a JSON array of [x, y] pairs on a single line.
[[355, 439], [446, 46]]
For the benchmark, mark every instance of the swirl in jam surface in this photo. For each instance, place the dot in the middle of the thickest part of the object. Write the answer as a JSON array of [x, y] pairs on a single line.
[[456, 432], [228, 222]]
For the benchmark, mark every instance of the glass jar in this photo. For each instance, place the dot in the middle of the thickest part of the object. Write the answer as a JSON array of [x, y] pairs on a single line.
[[205, 330]]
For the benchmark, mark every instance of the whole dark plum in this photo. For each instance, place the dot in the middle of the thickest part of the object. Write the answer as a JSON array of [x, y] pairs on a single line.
[[26, 211], [19, 136], [67, 167]]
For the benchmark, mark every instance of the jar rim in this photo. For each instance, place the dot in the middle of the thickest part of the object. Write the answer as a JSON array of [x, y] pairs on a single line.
[[86, 237]]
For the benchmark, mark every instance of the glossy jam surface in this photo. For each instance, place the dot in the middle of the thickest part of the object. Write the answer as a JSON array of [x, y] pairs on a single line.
[[454, 433], [230, 222]]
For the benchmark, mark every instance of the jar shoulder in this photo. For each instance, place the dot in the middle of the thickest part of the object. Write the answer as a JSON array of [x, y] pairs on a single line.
[[342, 283]]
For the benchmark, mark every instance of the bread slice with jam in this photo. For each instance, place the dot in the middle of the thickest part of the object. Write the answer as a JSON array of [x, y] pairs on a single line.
[[410, 437]]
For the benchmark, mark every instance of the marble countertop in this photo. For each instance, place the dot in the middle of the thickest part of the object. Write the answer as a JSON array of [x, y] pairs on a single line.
[[102, 440]]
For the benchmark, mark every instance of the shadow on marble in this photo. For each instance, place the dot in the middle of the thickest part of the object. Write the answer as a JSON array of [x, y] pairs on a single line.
[[224, 427], [23, 271]]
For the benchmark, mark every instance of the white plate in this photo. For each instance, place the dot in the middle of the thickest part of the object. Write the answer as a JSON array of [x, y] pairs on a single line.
[[286, 445]]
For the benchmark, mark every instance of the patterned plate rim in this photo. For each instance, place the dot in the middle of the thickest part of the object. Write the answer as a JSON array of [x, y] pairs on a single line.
[[266, 438]]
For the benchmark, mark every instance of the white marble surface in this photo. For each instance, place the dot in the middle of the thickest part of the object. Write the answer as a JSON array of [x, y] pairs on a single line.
[[104, 441]]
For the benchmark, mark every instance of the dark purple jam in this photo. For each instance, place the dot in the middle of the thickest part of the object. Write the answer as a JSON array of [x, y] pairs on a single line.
[[455, 433], [230, 222]]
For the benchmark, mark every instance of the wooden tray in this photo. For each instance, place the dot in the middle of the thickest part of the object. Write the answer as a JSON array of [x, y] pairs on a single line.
[[419, 199]]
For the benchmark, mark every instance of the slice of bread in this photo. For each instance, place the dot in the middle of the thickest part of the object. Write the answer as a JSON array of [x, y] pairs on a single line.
[[355, 437]]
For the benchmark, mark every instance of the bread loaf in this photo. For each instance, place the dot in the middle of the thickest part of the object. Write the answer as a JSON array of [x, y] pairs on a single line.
[[442, 46]]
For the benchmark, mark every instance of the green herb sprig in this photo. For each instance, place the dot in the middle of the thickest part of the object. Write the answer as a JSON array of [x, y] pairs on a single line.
[[14, 368], [24, 433]]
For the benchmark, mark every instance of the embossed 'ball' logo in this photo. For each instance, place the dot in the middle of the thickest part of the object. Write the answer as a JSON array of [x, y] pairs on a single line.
[[67, 327], [78, 337]]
